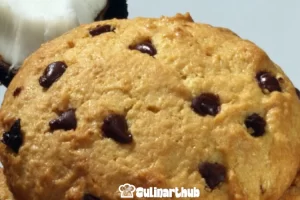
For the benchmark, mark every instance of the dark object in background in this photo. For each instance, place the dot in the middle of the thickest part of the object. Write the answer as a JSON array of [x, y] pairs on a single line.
[[5, 75], [116, 9]]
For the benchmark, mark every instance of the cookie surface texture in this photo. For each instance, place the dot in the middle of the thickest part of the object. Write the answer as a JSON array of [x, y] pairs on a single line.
[[154, 103], [5, 194]]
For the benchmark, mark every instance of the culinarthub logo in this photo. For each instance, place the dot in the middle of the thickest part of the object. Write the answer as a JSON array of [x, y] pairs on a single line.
[[128, 191]]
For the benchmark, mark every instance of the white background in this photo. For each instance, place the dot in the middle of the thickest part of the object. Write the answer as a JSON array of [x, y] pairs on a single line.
[[271, 24]]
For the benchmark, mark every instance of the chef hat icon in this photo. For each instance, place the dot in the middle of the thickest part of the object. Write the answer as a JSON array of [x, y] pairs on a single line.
[[127, 190]]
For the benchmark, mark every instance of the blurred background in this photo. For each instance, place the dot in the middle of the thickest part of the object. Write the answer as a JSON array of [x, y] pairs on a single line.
[[271, 24]]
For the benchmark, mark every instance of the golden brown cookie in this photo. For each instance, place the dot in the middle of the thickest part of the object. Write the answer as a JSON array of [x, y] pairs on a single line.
[[154, 103], [5, 194]]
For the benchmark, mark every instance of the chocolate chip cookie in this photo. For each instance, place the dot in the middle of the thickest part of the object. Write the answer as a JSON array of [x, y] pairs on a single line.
[[159, 103]]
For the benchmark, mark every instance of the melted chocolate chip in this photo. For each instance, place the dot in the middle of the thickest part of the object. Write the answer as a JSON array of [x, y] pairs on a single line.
[[206, 104], [256, 125], [267, 81], [90, 197], [52, 73], [297, 92], [101, 29], [66, 121], [115, 127], [6, 75], [213, 173], [145, 47], [13, 138], [17, 91]]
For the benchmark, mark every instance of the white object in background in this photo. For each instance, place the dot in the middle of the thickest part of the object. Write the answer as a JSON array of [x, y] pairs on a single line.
[[25, 25]]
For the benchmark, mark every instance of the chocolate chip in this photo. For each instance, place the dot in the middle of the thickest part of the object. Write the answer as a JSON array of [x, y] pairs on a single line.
[[90, 197], [6, 75], [13, 138], [66, 121], [144, 47], [297, 92], [268, 82], [17, 91], [213, 173], [101, 29], [115, 127], [255, 124], [206, 104], [52, 73]]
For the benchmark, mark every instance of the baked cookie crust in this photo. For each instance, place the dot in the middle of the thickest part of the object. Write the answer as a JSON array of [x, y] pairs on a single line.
[[152, 102]]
